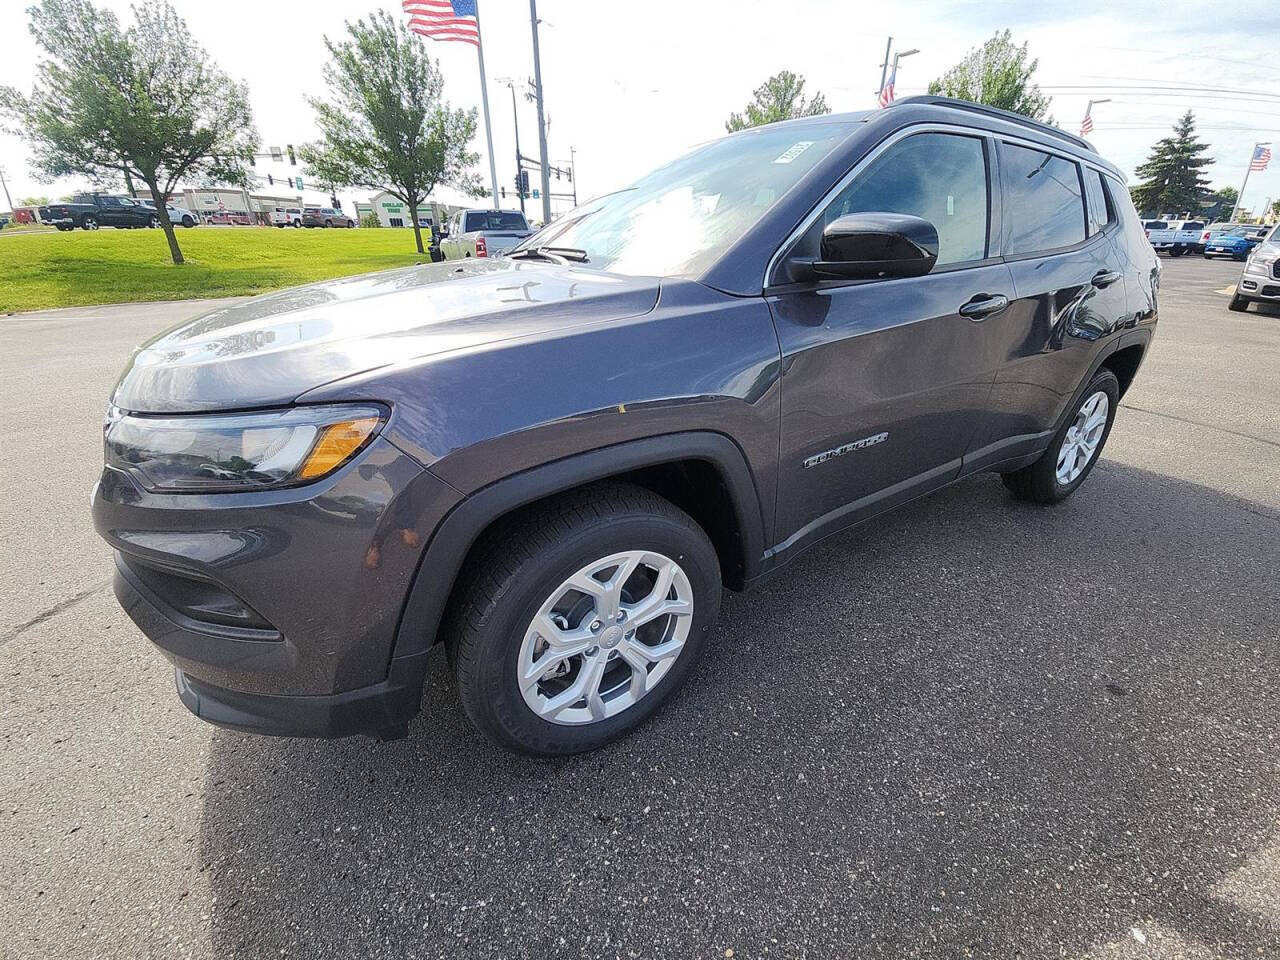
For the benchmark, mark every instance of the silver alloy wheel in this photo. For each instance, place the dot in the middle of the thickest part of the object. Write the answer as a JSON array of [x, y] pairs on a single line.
[[1080, 445], [605, 637]]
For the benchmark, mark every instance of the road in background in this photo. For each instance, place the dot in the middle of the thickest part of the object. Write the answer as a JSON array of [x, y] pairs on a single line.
[[970, 727]]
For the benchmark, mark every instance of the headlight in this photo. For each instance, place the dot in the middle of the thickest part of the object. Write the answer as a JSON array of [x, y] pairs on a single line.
[[241, 451]]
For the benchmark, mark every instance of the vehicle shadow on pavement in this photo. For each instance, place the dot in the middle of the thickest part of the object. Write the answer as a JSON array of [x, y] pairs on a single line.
[[972, 725]]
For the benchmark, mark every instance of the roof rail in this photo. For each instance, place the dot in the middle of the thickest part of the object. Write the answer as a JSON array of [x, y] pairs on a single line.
[[996, 112]]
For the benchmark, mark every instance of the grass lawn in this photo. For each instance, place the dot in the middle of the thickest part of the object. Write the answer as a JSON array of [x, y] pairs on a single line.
[[39, 270]]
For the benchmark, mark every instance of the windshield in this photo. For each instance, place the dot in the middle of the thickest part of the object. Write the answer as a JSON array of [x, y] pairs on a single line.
[[495, 220], [678, 220]]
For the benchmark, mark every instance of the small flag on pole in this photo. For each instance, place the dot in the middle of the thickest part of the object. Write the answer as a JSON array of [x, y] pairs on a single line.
[[1086, 125], [1261, 157], [444, 19], [886, 92]]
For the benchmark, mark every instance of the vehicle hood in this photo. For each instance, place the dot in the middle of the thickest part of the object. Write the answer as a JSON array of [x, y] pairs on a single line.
[[270, 350]]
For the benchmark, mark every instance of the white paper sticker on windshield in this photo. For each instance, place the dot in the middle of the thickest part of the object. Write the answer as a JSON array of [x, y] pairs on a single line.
[[794, 151], [951, 205]]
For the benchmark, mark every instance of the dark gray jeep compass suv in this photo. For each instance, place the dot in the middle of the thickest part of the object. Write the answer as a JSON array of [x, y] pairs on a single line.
[[551, 462]]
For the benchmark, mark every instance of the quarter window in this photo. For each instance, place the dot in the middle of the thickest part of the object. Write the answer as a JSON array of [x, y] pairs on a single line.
[[940, 177], [1099, 209], [1044, 205]]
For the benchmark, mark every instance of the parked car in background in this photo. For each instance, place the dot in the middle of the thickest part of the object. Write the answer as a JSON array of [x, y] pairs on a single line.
[[286, 217], [1260, 279], [483, 233], [325, 217], [178, 216], [1236, 242], [1178, 237], [225, 219], [89, 211], [551, 462]]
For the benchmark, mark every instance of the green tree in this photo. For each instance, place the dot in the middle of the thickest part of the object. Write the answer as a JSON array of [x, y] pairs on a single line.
[[781, 97], [1172, 179], [998, 74], [386, 124], [1228, 196], [146, 102], [33, 201], [1275, 210]]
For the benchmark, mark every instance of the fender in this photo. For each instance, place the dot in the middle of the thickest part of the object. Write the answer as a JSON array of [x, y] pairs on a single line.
[[453, 539]]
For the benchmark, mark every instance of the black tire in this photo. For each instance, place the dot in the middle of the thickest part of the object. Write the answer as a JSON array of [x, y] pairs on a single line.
[[1238, 303], [89, 223], [153, 222], [1176, 251], [65, 229], [1208, 256], [1039, 482], [517, 567], [188, 221]]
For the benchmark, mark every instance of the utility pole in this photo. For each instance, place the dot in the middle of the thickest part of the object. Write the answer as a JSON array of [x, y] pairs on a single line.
[[7, 198], [515, 118], [884, 67], [542, 127]]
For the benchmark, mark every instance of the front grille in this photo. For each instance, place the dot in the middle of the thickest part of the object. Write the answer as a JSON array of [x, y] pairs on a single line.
[[1275, 269], [1271, 290]]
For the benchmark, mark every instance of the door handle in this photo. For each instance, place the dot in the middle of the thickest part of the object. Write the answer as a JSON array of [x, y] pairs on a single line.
[[1105, 278], [983, 306]]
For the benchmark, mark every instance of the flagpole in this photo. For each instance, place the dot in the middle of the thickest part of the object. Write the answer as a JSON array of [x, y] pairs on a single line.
[[1240, 195], [484, 100]]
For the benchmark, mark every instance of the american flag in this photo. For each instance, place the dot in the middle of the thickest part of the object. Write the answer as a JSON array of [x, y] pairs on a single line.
[[1086, 125], [444, 19], [886, 92], [1261, 157]]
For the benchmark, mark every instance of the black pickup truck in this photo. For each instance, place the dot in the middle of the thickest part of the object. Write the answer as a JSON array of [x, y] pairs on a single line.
[[94, 210]]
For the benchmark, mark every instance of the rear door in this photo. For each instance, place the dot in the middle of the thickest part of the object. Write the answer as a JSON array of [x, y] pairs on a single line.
[[886, 381], [1069, 290]]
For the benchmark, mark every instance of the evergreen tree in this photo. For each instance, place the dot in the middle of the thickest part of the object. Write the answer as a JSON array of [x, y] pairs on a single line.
[[1172, 179]]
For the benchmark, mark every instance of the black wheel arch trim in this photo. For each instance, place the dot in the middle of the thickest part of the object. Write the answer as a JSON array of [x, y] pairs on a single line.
[[452, 540]]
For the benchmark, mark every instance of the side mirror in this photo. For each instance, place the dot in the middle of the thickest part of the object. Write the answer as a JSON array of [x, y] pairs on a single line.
[[868, 246]]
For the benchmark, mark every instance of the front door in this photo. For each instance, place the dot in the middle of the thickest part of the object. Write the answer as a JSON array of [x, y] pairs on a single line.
[[885, 382]]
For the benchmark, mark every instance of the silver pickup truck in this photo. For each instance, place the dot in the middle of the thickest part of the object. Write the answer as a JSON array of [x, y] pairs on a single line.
[[1178, 237], [483, 233]]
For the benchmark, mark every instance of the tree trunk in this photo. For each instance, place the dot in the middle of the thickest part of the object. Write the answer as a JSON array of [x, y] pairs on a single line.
[[417, 230], [128, 180], [162, 214]]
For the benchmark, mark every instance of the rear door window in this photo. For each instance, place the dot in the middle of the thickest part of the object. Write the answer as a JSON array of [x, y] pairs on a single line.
[[940, 177], [1100, 213], [1044, 203]]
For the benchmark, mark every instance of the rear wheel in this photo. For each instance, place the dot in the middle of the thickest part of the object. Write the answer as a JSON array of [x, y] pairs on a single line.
[[188, 221], [1238, 303], [1176, 251], [580, 620], [1075, 448], [89, 223]]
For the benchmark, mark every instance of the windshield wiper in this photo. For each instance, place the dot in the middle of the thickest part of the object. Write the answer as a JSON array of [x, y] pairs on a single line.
[[551, 254]]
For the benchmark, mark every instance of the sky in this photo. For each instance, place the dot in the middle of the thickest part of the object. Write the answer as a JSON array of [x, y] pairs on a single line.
[[629, 86]]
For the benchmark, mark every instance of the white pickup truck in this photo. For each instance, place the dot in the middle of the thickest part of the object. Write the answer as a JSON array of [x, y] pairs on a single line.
[[1177, 236], [286, 217]]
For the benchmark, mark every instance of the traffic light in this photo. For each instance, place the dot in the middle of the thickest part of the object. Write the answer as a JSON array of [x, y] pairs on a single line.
[[299, 183], [292, 159], [522, 183], [504, 193], [271, 180]]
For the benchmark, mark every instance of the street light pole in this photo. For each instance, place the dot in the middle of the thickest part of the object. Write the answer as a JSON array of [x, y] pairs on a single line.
[[573, 171], [515, 118], [542, 125], [7, 198], [884, 67]]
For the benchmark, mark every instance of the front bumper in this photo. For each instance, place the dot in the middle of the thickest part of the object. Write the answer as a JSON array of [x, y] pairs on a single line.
[[280, 609], [1260, 282]]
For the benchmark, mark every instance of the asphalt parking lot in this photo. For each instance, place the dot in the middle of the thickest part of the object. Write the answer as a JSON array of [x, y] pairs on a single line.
[[970, 728]]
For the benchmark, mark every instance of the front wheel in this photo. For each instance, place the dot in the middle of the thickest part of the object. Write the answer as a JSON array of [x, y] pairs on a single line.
[[89, 223], [1075, 448], [188, 221], [1238, 303], [580, 620]]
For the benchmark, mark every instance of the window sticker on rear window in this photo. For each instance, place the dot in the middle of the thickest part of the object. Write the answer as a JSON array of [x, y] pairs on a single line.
[[794, 151]]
